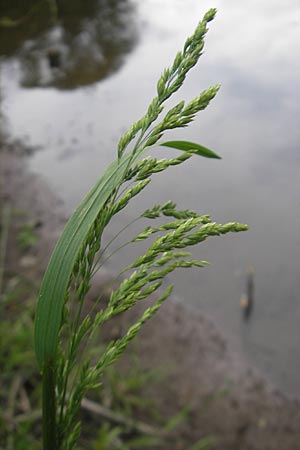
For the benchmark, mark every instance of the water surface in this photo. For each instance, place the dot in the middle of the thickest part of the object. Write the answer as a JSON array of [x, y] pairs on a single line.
[[76, 116]]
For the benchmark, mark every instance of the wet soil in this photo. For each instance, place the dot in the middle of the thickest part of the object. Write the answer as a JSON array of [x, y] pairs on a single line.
[[227, 399]]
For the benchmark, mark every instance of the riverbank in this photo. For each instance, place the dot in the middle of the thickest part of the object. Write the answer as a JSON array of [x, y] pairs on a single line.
[[226, 399]]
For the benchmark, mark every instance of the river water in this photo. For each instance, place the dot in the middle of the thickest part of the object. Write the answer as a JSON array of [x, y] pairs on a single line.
[[112, 54]]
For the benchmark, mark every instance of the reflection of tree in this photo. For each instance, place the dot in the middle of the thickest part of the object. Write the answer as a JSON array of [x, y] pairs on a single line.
[[87, 42]]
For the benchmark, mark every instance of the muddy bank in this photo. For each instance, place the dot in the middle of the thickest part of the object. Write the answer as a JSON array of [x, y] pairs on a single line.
[[227, 399]]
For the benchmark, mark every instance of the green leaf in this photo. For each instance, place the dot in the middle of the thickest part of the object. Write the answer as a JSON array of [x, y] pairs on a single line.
[[56, 279], [191, 147]]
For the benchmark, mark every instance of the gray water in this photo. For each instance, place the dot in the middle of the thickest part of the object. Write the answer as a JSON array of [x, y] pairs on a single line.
[[75, 120]]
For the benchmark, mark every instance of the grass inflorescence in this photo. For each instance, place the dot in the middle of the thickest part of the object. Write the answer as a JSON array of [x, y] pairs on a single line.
[[63, 326]]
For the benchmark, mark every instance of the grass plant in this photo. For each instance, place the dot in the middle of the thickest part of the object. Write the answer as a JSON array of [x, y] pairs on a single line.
[[113, 409], [63, 326]]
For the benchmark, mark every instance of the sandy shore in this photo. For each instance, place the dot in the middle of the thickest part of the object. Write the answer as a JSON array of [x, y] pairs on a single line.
[[227, 399]]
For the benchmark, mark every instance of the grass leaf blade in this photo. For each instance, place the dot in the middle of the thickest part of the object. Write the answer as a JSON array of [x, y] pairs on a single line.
[[191, 147], [56, 279]]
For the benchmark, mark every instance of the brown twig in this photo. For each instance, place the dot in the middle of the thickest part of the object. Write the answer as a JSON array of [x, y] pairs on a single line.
[[117, 418]]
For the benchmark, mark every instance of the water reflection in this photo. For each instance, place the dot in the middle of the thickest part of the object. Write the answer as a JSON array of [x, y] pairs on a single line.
[[85, 43]]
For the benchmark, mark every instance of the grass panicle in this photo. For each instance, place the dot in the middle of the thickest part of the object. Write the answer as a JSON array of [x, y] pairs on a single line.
[[169, 83], [63, 326]]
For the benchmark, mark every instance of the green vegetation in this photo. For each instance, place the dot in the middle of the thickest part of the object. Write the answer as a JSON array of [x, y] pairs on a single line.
[[63, 327], [27, 237], [110, 414], [71, 360], [19, 379]]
